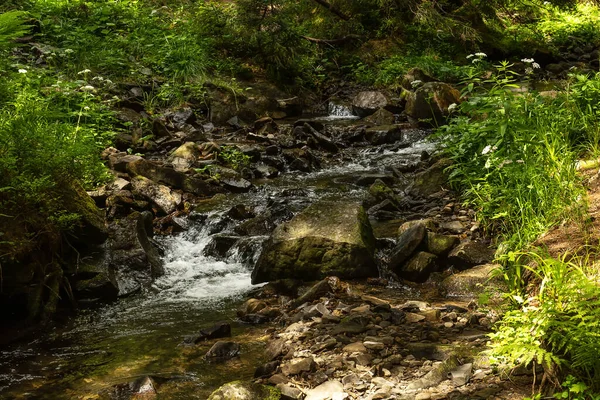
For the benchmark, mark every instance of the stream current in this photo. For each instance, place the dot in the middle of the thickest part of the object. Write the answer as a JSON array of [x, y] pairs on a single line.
[[145, 334]]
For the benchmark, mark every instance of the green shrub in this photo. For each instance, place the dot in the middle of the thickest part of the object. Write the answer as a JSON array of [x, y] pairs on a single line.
[[558, 327], [515, 153]]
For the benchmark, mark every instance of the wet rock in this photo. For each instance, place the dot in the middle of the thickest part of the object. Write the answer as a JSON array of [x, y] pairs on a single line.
[[134, 259], [266, 171], [322, 140], [407, 243], [219, 245], [440, 245], [184, 157], [379, 191], [326, 391], [369, 179], [429, 224], [473, 281], [380, 117], [251, 306], [327, 238], [418, 268], [161, 196], [265, 222], [142, 388], [267, 369], [239, 390], [217, 331], [366, 103], [383, 134], [469, 254], [223, 350], [428, 105], [431, 180], [297, 366], [93, 279]]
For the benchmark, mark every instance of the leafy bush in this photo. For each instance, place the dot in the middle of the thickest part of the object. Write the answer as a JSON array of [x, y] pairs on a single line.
[[515, 153]]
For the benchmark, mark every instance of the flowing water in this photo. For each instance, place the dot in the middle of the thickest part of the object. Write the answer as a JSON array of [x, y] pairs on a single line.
[[145, 334]]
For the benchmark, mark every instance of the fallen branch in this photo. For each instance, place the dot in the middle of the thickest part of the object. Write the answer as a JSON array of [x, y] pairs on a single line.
[[333, 9]]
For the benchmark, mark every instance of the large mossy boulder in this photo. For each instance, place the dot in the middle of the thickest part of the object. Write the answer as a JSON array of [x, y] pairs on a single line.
[[429, 104], [327, 238], [239, 390]]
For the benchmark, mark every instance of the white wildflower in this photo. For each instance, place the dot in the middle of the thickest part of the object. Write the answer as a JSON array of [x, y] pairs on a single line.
[[69, 51], [22, 71], [86, 108], [452, 107], [480, 55], [88, 88], [476, 60], [535, 65], [520, 161], [470, 56], [527, 60], [486, 149], [85, 71], [528, 70], [98, 78]]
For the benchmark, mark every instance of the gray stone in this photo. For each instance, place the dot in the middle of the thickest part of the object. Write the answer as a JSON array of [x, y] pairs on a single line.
[[431, 180], [366, 103], [326, 391], [407, 242], [473, 281], [289, 392], [418, 268], [469, 254], [160, 195], [327, 238], [295, 367]]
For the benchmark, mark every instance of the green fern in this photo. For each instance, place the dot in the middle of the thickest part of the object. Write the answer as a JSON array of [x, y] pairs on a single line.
[[560, 327], [13, 24]]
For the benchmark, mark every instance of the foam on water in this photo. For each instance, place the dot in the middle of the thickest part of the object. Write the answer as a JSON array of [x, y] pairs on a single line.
[[190, 275]]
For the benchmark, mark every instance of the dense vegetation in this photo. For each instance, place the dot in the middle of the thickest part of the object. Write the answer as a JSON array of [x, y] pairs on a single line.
[[514, 153]]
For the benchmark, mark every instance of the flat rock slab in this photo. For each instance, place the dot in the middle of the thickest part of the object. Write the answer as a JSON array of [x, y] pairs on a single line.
[[327, 238], [326, 391]]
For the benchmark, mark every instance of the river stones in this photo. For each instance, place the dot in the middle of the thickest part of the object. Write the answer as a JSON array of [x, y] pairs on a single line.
[[239, 390], [217, 331], [327, 238]]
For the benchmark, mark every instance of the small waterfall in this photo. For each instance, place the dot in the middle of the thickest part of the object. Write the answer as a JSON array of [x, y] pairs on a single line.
[[340, 111]]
